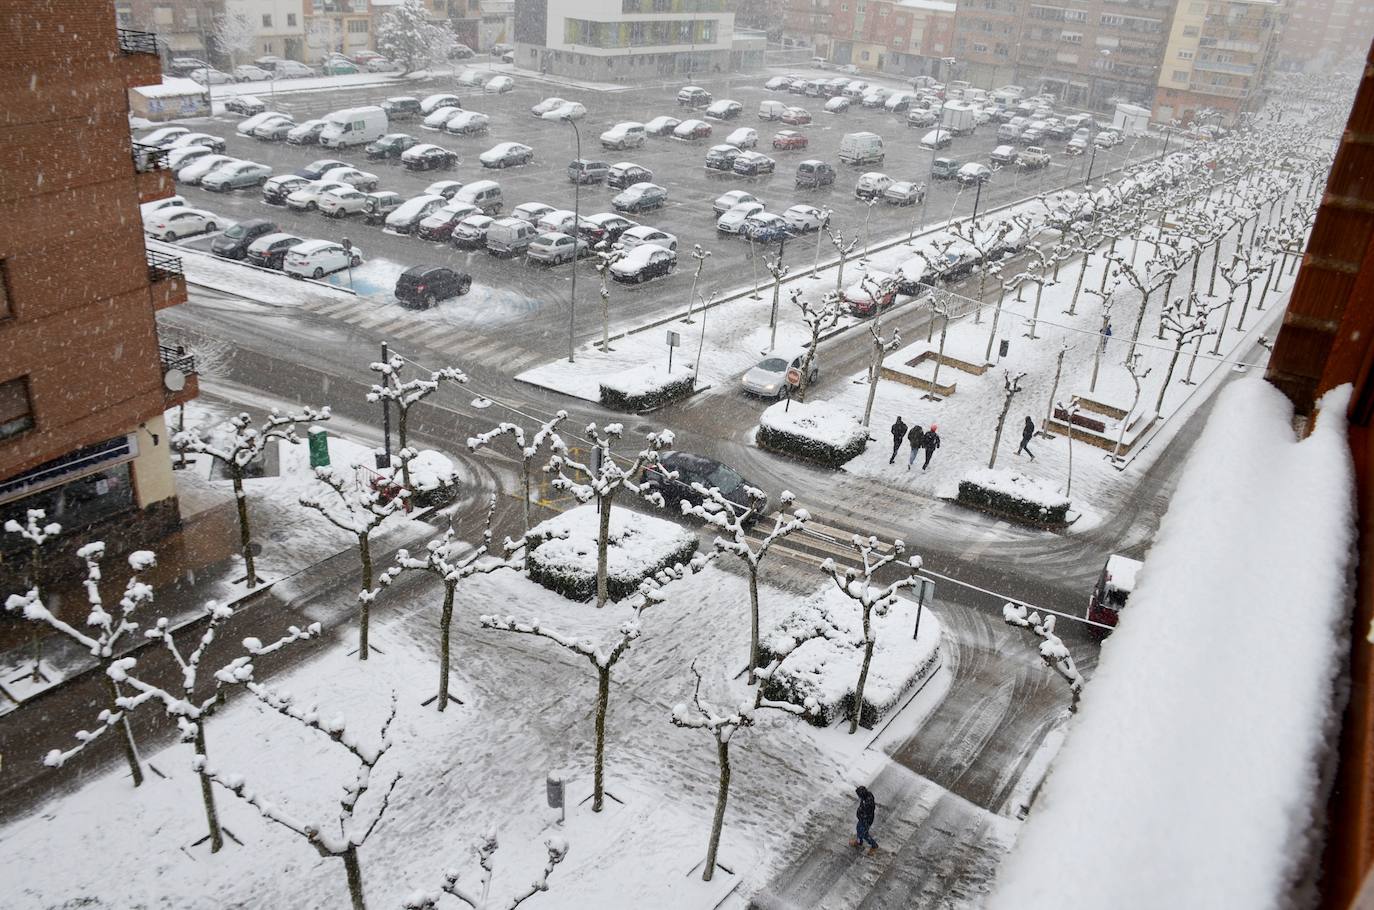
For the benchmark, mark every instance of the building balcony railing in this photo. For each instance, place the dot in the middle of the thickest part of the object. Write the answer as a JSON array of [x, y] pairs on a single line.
[[149, 158], [1234, 69], [162, 266], [132, 42], [176, 358]]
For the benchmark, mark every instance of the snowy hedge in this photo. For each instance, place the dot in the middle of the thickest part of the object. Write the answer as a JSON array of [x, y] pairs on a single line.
[[645, 387], [814, 430], [563, 554], [433, 478], [1015, 495], [826, 668]]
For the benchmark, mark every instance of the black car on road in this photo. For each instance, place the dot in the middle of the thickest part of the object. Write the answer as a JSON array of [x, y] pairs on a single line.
[[691, 468], [426, 285], [234, 242], [389, 147]]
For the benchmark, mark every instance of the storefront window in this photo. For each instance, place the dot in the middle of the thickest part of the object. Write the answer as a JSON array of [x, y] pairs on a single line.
[[75, 505]]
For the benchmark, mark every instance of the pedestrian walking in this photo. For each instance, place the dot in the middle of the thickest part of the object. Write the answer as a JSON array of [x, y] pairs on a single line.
[[868, 807], [930, 444], [915, 437], [898, 434], [1027, 431]]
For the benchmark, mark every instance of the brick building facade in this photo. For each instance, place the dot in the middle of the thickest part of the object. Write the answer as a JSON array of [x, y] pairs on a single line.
[[1219, 55], [902, 37], [83, 380], [1323, 33]]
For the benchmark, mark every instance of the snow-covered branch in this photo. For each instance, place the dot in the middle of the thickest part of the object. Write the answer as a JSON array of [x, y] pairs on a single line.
[[1053, 651]]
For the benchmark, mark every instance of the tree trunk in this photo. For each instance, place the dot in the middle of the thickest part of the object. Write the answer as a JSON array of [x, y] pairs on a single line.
[[753, 619], [207, 794], [1001, 422], [603, 536], [1035, 311], [1169, 374], [996, 318], [1264, 294], [806, 364], [403, 411], [1225, 318], [1082, 273], [130, 746], [940, 355], [527, 513], [1212, 282], [1168, 287], [982, 288], [1192, 280], [863, 675], [1139, 321], [1245, 307], [445, 624], [355, 878], [722, 794], [879, 349], [839, 274], [245, 534], [603, 697], [365, 603]]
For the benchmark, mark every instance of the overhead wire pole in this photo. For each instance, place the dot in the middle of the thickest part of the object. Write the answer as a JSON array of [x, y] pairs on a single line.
[[577, 232]]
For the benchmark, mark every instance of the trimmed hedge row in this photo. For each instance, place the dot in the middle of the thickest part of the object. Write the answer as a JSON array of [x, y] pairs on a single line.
[[580, 584], [782, 687], [620, 400], [981, 497], [808, 448]]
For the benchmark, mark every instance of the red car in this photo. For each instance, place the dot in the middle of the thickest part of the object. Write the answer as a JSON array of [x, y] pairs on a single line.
[[789, 139], [883, 288], [795, 116]]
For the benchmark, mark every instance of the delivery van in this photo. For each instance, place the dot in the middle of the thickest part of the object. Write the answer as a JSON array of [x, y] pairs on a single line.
[[353, 126], [861, 148]]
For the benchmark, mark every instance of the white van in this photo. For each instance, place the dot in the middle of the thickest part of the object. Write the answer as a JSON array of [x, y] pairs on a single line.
[[509, 237], [353, 126], [861, 148], [483, 194], [771, 110], [629, 135]]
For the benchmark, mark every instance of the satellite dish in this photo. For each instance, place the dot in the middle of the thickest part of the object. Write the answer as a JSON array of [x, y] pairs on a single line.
[[174, 380]]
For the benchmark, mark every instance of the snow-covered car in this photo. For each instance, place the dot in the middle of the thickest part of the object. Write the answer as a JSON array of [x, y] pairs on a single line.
[[237, 238], [547, 105], [428, 157], [721, 157], [556, 248], [292, 69], [625, 135], [341, 203], [642, 233], [164, 137], [874, 97], [506, 154], [743, 138], [531, 211], [402, 107], [269, 251], [470, 233], [914, 274], [246, 105], [274, 128], [317, 258], [777, 84], [157, 205], [180, 221], [877, 290], [562, 221], [410, 213], [921, 118], [1107, 139], [871, 185], [903, 192], [802, 219], [732, 222], [726, 201], [1003, 155], [389, 147], [436, 118], [431, 103], [796, 116], [236, 175], [724, 109], [316, 169], [468, 123], [247, 72], [765, 227], [855, 88], [661, 126], [640, 197], [689, 130], [182, 155], [305, 133], [768, 377], [837, 105], [974, 172], [195, 171], [439, 224], [937, 139], [789, 140], [643, 263], [499, 86], [627, 173], [307, 198], [1076, 147], [612, 226], [568, 110], [753, 164], [246, 127], [276, 189], [213, 143], [351, 175]]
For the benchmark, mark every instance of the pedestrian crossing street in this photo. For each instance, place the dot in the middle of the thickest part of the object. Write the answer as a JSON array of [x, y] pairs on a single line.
[[460, 348]]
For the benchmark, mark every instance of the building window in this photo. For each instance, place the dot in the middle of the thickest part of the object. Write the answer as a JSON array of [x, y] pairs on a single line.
[[6, 311], [1185, 55], [16, 411], [1190, 31], [357, 26], [191, 19], [1180, 75], [162, 15], [864, 56], [291, 20]]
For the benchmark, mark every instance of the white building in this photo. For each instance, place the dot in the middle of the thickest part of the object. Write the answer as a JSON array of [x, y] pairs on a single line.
[[278, 27], [624, 40]]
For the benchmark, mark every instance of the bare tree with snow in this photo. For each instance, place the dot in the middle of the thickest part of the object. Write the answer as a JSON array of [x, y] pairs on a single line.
[[359, 507], [1184, 328], [985, 242], [605, 479], [1104, 332], [234, 34], [941, 304], [451, 561], [405, 394], [607, 256], [718, 510], [35, 532], [722, 723], [1052, 649], [1243, 271], [1132, 366], [881, 346], [872, 601], [244, 446], [1039, 274], [1158, 272], [842, 249], [819, 319], [1011, 387], [547, 433], [480, 898]]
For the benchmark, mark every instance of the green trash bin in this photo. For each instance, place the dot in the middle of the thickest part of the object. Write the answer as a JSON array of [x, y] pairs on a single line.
[[319, 447]]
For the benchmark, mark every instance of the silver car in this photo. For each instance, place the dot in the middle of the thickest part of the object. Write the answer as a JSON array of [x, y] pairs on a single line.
[[555, 248], [768, 378], [236, 175]]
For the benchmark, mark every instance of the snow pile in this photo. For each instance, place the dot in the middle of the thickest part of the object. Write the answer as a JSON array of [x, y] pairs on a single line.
[[823, 640], [646, 386], [171, 87], [1014, 493], [564, 557], [1189, 776], [815, 430]]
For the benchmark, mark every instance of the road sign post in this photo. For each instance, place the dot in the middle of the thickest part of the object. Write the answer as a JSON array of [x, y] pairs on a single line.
[[925, 592], [674, 340]]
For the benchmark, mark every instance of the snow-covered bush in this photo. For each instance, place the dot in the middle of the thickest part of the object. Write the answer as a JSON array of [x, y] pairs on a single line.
[[433, 478], [1014, 495], [813, 430], [647, 386], [563, 551], [822, 640]]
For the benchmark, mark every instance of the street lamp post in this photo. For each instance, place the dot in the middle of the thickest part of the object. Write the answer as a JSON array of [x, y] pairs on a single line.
[[976, 197], [577, 231], [1091, 162], [815, 263]]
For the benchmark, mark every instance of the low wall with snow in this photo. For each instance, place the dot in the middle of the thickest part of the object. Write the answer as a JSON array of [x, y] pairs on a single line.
[[815, 430], [564, 558]]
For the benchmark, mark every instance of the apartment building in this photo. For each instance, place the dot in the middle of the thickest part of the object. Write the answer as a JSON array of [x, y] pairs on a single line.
[[624, 40], [900, 37], [336, 27], [1321, 34], [1218, 56], [185, 28], [84, 381], [277, 29], [1088, 53]]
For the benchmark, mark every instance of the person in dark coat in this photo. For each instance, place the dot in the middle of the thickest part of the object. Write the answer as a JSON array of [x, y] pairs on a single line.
[[868, 807], [1027, 431], [915, 437], [930, 444], [898, 433]]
